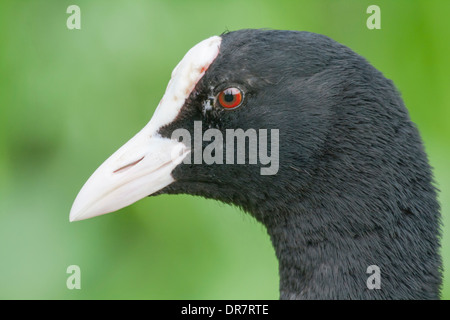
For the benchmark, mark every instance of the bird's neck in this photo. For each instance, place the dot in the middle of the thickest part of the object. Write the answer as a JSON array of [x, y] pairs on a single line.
[[317, 262], [323, 257], [340, 238]]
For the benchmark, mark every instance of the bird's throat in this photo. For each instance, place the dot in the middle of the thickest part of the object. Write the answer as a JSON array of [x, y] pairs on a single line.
[[318, 261]]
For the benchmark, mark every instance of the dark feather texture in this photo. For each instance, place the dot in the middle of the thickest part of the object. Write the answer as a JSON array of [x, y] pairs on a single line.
[[354, 187]]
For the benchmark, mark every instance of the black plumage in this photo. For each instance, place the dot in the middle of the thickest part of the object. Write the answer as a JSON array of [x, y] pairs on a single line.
[[354, 187]]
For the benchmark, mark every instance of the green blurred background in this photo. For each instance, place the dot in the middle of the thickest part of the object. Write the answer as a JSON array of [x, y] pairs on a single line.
[[69, 98]]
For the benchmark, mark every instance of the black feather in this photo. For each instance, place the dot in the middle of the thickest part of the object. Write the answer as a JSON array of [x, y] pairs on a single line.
[[354, 187]]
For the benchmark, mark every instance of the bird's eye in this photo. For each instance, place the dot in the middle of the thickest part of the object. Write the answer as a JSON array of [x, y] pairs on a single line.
[[230, 98]]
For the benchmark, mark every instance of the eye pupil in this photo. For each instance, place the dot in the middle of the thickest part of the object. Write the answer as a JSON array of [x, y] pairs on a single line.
[[230, 98]]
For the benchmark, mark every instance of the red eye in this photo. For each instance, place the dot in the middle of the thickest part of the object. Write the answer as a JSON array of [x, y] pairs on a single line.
[[230, 98]]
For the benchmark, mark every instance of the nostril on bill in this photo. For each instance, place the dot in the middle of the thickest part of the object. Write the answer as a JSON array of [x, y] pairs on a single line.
[[121, 169]]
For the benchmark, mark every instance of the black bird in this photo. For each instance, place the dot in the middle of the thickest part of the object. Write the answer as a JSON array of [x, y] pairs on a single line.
[[352, 187]]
